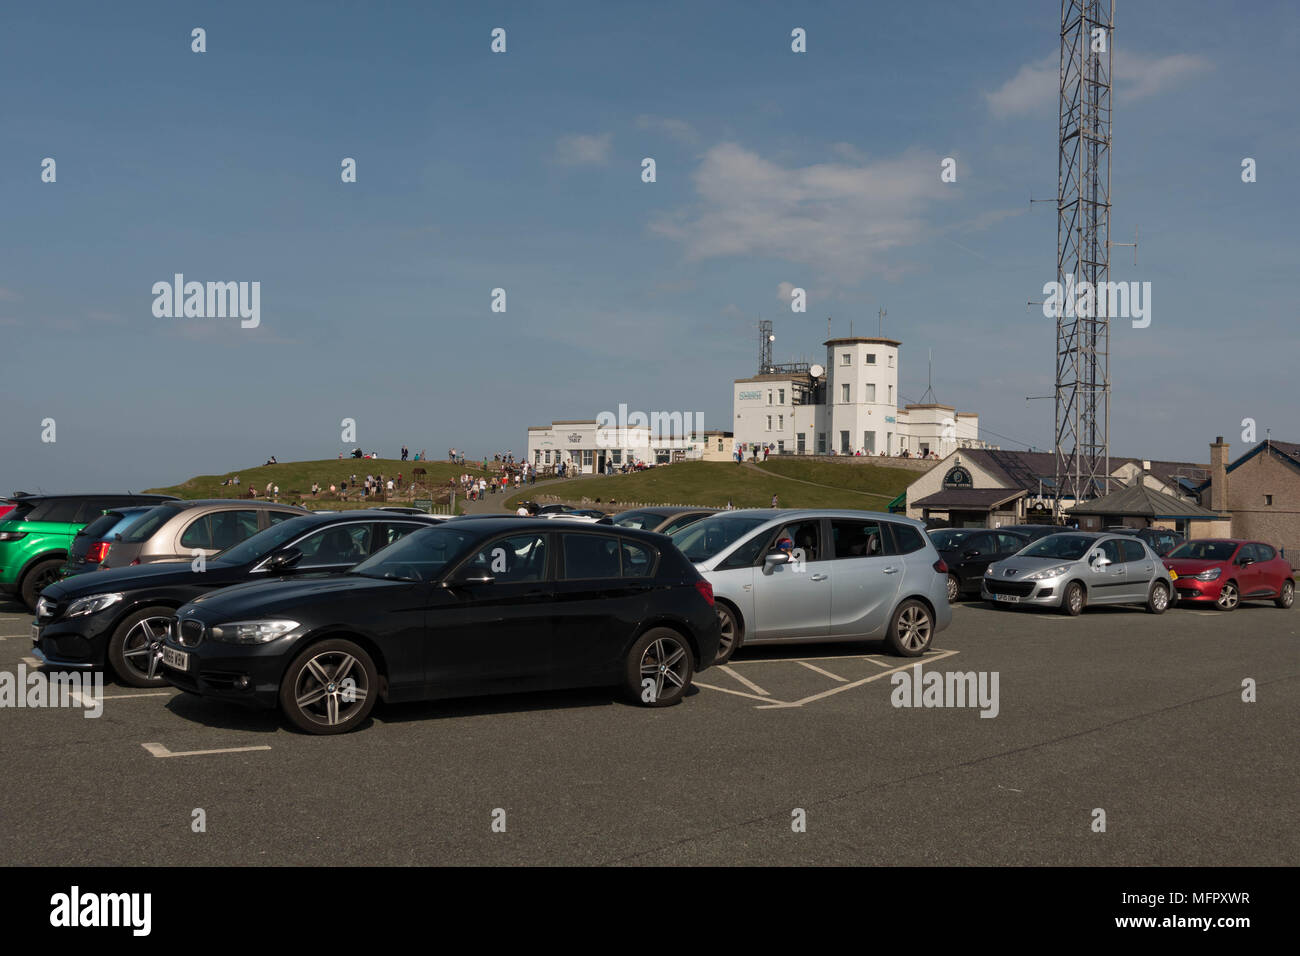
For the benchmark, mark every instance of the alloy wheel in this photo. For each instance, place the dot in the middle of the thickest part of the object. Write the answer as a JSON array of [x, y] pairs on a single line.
[[914, 628], [142, 647], [727, 636], [954, 589], [1228, 597], [665, 662], [322, 691]]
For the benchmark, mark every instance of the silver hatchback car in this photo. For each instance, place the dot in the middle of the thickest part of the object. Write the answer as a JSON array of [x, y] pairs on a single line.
[[783, 576], [177, 530], [1071, 570]]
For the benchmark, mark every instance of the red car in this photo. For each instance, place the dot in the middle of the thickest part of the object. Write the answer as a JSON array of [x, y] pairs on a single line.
[[1228, 571]]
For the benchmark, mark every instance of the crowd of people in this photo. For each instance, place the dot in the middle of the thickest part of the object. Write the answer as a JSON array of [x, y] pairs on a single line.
[[758, 451]]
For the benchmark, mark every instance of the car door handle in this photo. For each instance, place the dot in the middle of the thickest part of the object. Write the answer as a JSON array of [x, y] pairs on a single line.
[[819, 577], [891, 570]]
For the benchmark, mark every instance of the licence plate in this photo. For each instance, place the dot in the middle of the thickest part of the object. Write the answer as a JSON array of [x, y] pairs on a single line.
[[36, 634], [176, 659], [1009, 598]]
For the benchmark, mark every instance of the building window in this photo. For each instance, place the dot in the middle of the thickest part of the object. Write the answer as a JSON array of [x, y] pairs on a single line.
[[586, 458], [871, 358], [616, 456], [800, 444], [537, 456], [719, 444], [548, 457], [780, 396], [846, 359], [769, 396], [780, 447], [871, 391], [780, 423], [844, 444], [844, 394], [769, 422], [821, 443], [1268, 499], [891, 361], [869, 442], [891, 394]]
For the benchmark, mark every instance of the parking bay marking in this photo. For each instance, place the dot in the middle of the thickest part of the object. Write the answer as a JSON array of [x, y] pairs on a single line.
[[158, 750], [744, 680], [770, 703]]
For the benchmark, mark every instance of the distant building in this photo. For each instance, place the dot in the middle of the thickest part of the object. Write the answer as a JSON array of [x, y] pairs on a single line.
[[583, 445], [851, 407], [1259, 492]]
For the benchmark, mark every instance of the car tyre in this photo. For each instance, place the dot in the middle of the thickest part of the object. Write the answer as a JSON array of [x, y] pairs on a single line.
[[729, 640], [1229, 597], [1286, 597], [911, 629], [134, 644], [1073, 600], [313, 694], [954, 589], [663, 657], [40, 576], [1158, 600]]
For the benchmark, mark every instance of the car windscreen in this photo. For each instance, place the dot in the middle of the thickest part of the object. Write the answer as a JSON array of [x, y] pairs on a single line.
[[1071, 547], [264, 542], [1204, 550], [946, 539], [637, 519], [421, 556], [703, 539], [143, 529]]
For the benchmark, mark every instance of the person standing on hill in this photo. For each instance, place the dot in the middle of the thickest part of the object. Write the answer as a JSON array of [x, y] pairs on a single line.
[[775, 503]]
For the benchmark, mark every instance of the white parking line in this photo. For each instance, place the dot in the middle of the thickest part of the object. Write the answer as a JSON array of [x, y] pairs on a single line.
[[842, 680], [876, 662], [158, 750], [153, 693], [744, 680], [31, 662], [867, 680]]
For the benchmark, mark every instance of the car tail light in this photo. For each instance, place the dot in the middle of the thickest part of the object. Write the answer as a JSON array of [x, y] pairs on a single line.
[[940, 566], [97, 553], [705, 588]]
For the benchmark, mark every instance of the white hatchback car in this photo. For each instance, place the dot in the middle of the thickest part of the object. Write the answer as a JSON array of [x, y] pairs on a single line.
[[782, 576]]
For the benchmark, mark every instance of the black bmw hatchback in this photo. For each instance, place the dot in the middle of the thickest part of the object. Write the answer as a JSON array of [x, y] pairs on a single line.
[[118, 617], [465, 608]]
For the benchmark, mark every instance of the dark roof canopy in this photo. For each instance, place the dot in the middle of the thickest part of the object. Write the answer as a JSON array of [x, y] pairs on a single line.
[[1142, 502], [973, 499]]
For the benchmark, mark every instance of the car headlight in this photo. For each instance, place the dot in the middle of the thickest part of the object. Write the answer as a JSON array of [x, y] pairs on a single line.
[[251, 632], [44, 607], [1209, 575], [91, 604], [1046, 573]]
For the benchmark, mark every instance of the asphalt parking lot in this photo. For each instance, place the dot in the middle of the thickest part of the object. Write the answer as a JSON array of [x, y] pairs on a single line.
[[1118, 710]]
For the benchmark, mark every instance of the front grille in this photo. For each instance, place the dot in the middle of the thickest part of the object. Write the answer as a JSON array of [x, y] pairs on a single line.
[[190, 633], [1020, 588]]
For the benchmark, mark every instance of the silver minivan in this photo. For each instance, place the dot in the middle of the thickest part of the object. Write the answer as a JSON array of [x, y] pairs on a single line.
[[784, 576], [178, 530]]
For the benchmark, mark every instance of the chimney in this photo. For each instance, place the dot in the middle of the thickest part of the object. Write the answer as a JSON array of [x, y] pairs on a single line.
[[1219, 476]]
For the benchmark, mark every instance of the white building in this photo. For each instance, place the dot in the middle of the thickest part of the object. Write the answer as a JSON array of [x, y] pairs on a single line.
[[592, 447], [850, 405]]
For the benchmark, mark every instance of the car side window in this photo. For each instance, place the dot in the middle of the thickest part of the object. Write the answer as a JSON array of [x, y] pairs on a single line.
[[1133, 551], [1111, 552], [857, 539], [275, 517], [1264, 552], [1247, 553], [386, 533], [638, 560], [983, 543], [517, 559], [92, 509], [802, 536], [590, 556], [1009, 544], [908, 540], [340, 545], [198, 534], [678, 523], [229, 528], [61, 511]]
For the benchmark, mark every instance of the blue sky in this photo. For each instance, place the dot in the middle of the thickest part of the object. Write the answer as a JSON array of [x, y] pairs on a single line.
[[522, 171]]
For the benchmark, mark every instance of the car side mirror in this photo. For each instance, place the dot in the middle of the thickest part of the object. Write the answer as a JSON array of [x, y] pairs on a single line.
[[283, 560], [1246, 562], [1098, 559], [774, 559]]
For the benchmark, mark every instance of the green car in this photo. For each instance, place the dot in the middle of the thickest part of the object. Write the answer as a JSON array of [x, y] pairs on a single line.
[[36, 534]]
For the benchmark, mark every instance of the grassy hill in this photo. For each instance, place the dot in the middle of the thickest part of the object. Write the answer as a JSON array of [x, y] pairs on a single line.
[[295, 477], [797, 484]]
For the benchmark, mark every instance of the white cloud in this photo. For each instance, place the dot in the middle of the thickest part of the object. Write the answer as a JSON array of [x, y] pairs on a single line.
[[584, 149], [1034, 88], [842, 218]]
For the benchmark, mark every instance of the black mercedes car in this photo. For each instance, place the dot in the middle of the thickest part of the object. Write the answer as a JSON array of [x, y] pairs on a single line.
[[464, 608], [117, 617]]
